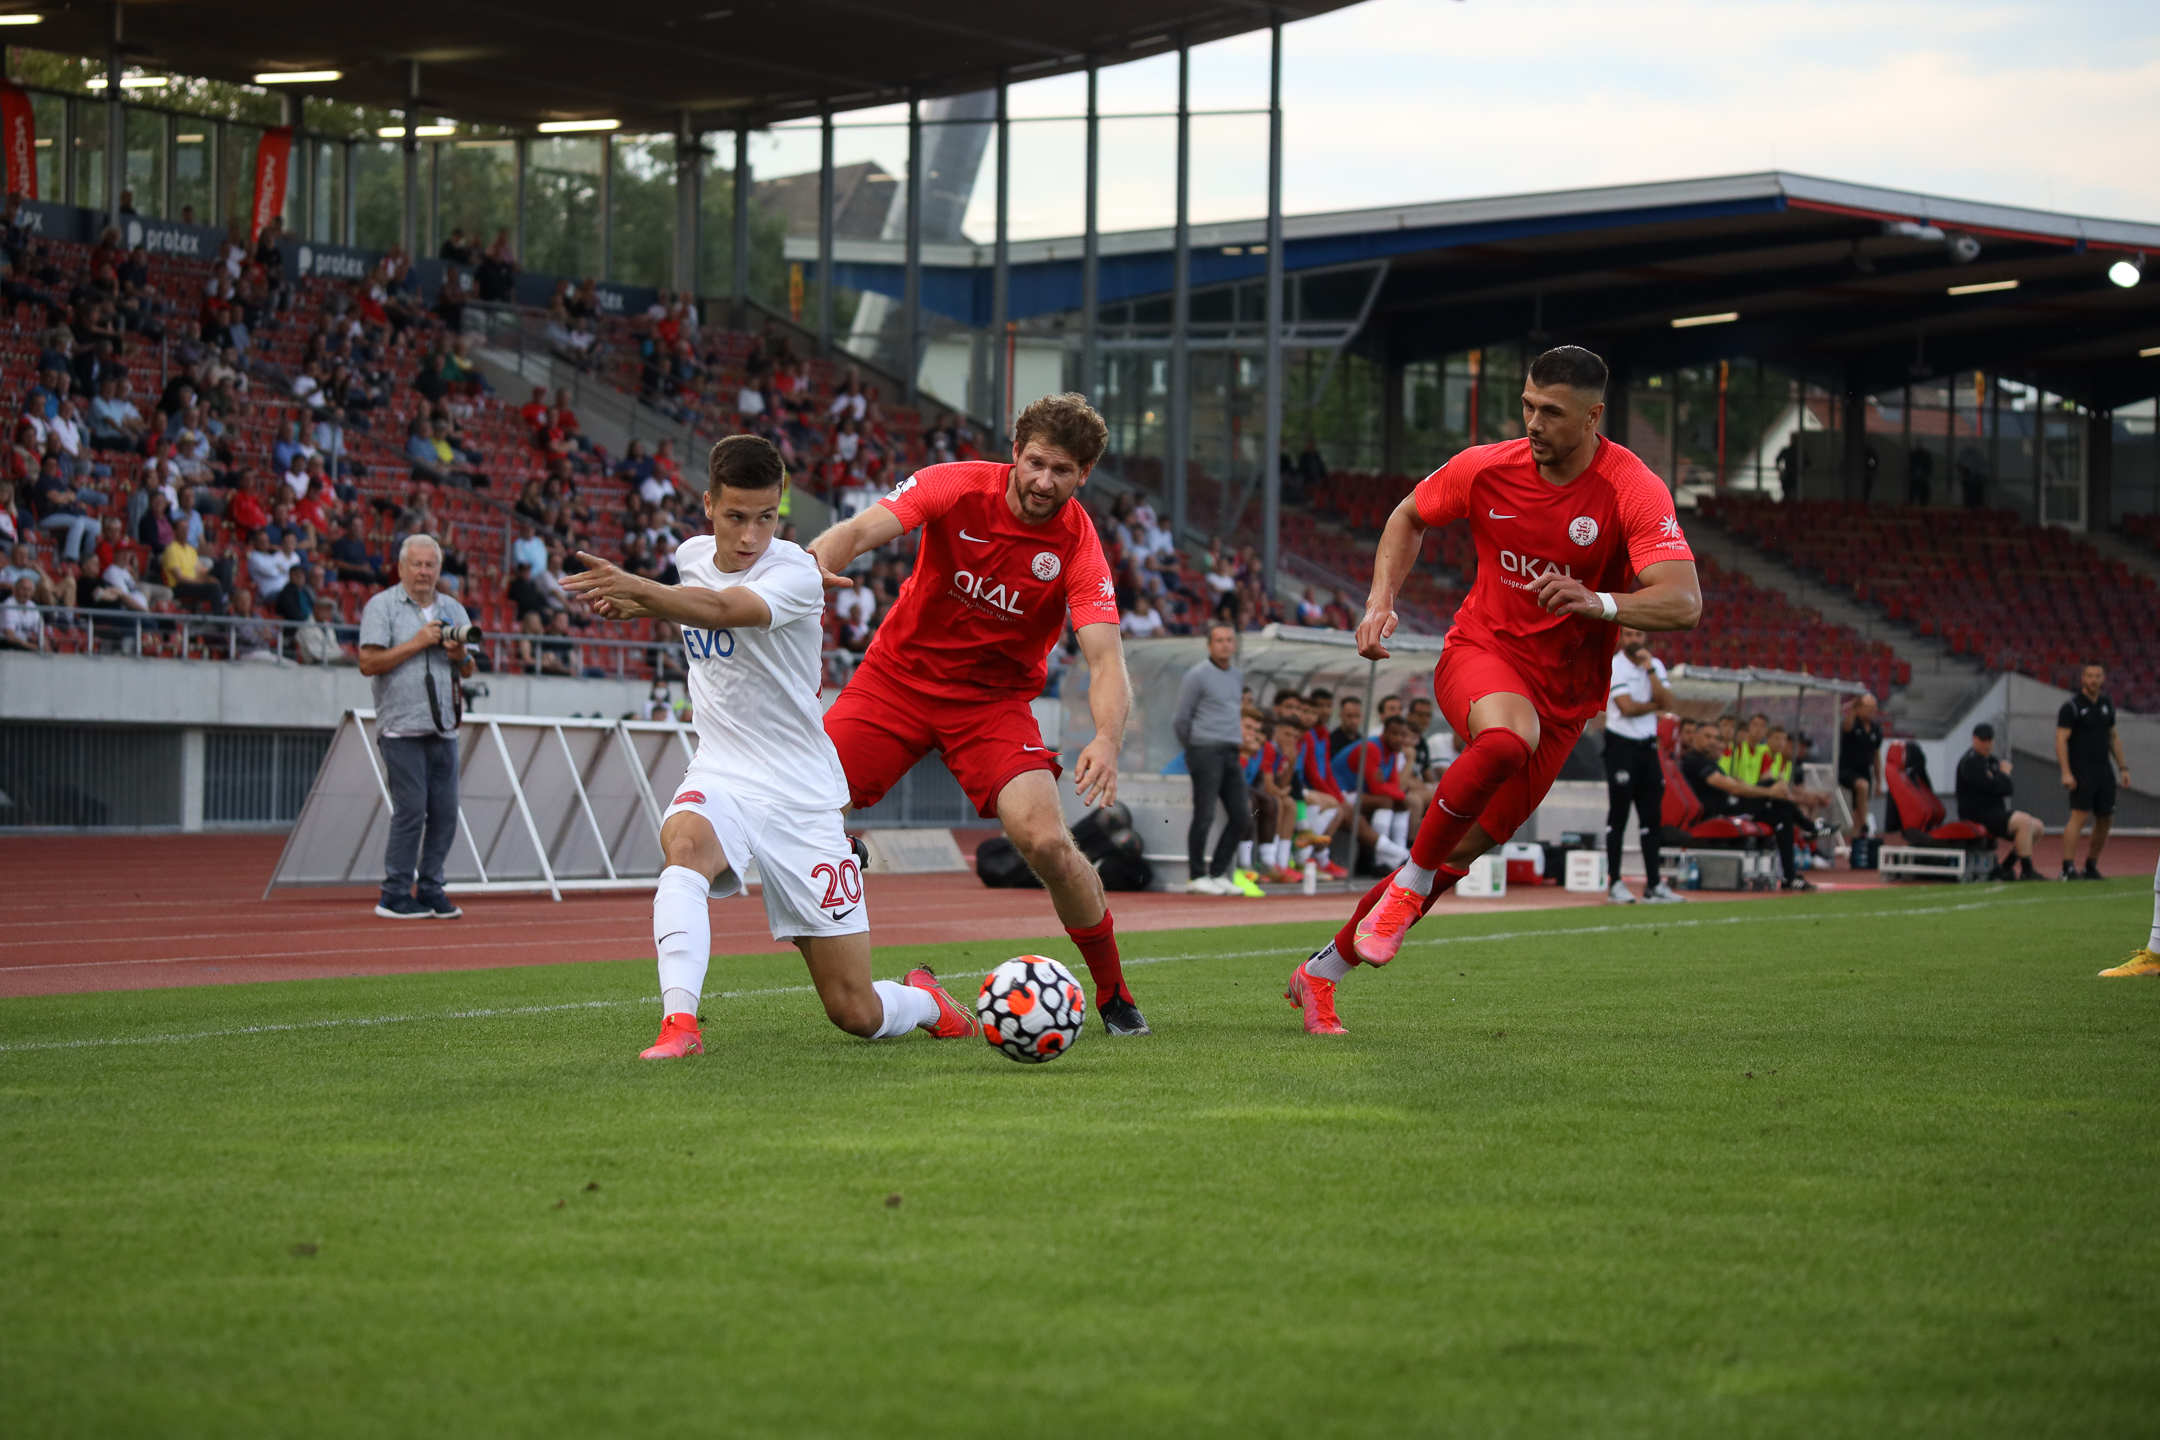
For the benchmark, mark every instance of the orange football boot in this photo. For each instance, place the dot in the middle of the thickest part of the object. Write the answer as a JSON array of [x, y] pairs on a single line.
[[1316, 997], [955, 1021], [678, 1037], [1380, 934]]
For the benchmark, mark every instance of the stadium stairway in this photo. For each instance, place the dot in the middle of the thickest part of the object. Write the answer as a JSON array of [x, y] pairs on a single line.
[[1943, 686]]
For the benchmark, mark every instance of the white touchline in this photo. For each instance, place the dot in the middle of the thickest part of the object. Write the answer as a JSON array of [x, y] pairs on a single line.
[[1749, 919]]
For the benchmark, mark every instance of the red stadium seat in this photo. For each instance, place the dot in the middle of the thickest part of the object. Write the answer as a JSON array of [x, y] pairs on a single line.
[[1920, 813]]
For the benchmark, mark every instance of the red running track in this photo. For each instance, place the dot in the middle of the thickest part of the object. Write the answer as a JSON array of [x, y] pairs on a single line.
[[138, 912]]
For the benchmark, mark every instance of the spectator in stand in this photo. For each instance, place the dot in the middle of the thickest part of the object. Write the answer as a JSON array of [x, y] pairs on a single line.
[[316, 642], [118, 584], [115, 422], [22, 563], [456, 248], [22, 627], [1336, 615], [1309, 611], [63, 511], [350, 558], [1859, 771], [1984, 787], [1207, 723], [2086, 741], [269, 565], [192, 576], [559, 652], [526, 594], [529, 549], [1143, 621], [1312, 471], [1723, 794], [495, 276], [295, 599]]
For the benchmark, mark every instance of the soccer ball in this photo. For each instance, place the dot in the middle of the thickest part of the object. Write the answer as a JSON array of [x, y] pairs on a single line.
[[1031, 1008]]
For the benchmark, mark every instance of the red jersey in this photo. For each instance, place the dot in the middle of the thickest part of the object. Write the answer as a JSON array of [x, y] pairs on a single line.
[[989, 594], [1602, 529]]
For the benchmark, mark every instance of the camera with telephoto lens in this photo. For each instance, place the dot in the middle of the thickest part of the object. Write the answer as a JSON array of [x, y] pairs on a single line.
[[462, 634]]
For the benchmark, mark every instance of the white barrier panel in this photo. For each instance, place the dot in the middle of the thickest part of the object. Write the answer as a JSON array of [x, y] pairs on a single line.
[[544, 803]]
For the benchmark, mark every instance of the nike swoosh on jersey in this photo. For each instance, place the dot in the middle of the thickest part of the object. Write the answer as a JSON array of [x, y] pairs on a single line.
[[976, 538], [1497, 515]]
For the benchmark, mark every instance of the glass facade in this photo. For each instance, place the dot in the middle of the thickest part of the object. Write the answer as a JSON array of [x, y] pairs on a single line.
[[562, 206]]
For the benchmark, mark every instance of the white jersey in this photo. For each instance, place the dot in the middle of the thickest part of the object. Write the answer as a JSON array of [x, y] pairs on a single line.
[[1633, 681], [754, 692]]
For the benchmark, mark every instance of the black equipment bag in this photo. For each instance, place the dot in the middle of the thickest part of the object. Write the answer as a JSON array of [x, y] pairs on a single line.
[[998, 865]]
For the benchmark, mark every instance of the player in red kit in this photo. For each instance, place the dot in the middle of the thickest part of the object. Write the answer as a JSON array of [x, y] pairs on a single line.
[[1563, 519], [1005, 555]]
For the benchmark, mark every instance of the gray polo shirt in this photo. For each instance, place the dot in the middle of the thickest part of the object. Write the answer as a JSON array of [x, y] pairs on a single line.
[[401, 698], [1211, 706]]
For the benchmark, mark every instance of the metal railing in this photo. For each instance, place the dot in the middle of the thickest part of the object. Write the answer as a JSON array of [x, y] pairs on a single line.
[[182, 636]]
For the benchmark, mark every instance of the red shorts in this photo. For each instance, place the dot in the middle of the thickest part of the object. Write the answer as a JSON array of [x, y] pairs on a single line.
[[881, 729], [1466, 675]]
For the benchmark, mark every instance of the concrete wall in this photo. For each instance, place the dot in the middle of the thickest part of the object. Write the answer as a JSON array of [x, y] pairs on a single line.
[[118, 689]]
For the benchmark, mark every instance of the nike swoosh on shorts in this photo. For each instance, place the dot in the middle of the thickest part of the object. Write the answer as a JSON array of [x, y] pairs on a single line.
[[839, 915]]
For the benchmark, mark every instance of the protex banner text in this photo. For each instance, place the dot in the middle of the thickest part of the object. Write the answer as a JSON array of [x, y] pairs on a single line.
[[18, 140]]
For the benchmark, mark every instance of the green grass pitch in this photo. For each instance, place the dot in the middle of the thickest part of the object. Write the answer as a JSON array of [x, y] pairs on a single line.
[[1872, 1164]]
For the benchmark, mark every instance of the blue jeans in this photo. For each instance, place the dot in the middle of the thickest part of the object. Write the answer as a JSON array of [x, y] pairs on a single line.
[[82, 533], [422, 772]]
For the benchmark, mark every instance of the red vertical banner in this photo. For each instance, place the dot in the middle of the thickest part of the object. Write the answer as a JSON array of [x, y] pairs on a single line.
[[273, 168], [18, 140]]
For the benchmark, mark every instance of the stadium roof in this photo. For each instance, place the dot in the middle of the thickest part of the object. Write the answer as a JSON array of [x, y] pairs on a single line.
[[534, 60], [1822, 275]]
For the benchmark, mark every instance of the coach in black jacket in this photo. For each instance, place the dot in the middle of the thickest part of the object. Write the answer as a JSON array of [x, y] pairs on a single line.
[[1983, 797]]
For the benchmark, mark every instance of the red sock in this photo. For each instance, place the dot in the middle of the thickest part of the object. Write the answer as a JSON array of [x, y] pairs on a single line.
[[1465, 790], [1444, 878], [1098, 946]]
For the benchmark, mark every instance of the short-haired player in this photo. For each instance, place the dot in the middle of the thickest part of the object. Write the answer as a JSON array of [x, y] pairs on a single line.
[[1563, 520], [765, 783], [1006, 555]]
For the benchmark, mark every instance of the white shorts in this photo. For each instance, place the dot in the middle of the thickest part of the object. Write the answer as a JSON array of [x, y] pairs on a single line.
[[811, 883]]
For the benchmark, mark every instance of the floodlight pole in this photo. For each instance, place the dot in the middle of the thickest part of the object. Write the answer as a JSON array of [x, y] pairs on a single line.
[[739, 288], [1090, 251], [825, 235], [1001, 356], [911, 278], [115, 128], [411, 227], [1271, 457], [1180, 427]]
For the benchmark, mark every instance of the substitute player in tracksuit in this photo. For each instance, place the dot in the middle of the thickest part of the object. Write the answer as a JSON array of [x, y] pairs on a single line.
[[764, 783], [1563, 519]]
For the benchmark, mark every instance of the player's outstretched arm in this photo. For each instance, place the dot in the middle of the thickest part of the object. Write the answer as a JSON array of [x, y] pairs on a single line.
[[1110, 702], [1670, 599], [837, 548], [1392, 563], [619, 595]]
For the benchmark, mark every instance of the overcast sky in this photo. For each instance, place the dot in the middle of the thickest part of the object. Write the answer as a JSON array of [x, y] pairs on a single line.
[[2053, 105]]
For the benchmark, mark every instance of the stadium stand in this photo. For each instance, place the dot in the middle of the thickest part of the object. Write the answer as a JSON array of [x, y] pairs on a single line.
[[2036, 600]]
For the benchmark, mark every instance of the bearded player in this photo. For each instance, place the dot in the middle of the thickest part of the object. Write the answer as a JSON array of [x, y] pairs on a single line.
[[1563, 518], [1005, 554], [764, 783]]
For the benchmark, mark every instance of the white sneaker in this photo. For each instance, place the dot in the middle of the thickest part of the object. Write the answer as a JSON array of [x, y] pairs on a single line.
[[1662, 893], [1209, 885], [1619, 894]]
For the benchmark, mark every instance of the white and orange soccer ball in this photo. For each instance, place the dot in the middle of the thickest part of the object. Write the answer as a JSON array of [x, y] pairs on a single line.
[[1031, 1008]]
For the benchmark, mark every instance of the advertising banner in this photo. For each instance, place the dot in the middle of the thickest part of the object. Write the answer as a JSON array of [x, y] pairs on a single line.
[[273, 170], [18, 141]]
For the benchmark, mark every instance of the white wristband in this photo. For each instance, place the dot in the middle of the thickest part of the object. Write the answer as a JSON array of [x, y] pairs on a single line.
[[1612, 606]]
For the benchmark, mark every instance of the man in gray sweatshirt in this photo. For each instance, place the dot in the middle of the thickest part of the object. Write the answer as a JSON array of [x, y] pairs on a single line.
[[1209, 724]]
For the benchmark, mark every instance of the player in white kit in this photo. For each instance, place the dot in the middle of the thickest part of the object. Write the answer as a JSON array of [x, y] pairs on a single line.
[[765, 783]]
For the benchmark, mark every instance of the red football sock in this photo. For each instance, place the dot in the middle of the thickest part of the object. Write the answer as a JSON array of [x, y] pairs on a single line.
[[1098, 946], [1465, 790], [1444, 878]]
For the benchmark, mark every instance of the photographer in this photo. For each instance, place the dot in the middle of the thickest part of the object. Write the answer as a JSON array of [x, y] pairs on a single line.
[[416, 668]]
